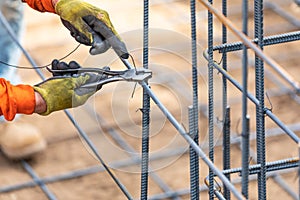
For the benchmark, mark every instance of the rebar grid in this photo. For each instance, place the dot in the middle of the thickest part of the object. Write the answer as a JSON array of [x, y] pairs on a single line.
[[261, 168]]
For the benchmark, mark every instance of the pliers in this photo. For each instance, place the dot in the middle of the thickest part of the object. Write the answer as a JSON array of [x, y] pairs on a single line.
[[131, 75]]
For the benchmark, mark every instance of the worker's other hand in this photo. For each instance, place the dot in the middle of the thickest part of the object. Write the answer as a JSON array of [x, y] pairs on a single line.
[[62, 92], [91, 26]]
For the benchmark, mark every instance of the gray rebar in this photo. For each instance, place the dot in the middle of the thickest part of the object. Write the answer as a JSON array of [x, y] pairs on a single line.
[[255, 101], [145, 110], [94, 150], [38, 181], [245, 117], [128, 148], [247, 41], [203, 188], [92, 170], [260, 95], [194, 159], [210, 100], [245, 158], [271, 166], [193, 112], [226, 148], [268, 40], [226, 109], [278, 9], [190, 141]]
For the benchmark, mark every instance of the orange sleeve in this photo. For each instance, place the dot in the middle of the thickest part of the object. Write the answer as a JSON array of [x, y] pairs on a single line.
[[15, 99], [41, 5]]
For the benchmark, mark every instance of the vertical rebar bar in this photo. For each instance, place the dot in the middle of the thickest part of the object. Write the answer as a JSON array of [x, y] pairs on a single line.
[[145, 110], [194, 165], [245, 120], [194, 159], [245, 159], [226, 109], [260, 118], [210, 100], [226, 148]]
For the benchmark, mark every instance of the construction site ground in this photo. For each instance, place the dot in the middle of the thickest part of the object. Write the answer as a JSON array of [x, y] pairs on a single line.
[[114, 106]]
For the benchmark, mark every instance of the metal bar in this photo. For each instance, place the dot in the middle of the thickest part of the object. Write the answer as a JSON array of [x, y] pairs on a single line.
[[145, 110], [203, 188], [247, 41], [210, 100], [268, 40], [270, 166], [260, 95], [92, 170], [193, 112], [226, 108], [194, 159], [245, 117], [94, 150], [255, 101], [190, 141], [226, 148], [245, 159], [128, 148], [38, 181], [277, 8]]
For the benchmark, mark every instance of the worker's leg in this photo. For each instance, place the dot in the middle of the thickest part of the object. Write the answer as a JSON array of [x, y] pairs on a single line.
[[17, 140]]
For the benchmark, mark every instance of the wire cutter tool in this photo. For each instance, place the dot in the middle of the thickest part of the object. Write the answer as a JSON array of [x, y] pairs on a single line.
[[131, 75]]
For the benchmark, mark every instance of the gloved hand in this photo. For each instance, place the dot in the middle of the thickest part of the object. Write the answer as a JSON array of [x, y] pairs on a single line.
[[91, 26], [62, 92]]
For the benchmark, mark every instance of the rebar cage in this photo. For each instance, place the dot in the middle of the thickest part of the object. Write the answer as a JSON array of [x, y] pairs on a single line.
[[243, 133]]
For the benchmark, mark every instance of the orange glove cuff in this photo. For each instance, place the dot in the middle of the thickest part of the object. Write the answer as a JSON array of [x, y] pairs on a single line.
[[41, 5], [25, 99]]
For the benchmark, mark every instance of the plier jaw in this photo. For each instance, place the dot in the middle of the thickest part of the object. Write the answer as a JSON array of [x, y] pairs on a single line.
[[130, 75]]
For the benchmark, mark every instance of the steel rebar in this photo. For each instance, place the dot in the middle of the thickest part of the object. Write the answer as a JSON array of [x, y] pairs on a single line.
[[193, 112], [247, 41], [194, 159], [210, 99], [245, 117], [255, 101], [260, 95], [145, 109], [38, 181]]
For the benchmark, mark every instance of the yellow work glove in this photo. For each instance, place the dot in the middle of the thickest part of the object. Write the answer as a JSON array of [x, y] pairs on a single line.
[[62, 92], [91, 26]]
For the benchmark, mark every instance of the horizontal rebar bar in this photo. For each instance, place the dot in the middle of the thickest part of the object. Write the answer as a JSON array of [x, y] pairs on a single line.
[[271, 166], [269, 40], [203, 187], [94, 169]]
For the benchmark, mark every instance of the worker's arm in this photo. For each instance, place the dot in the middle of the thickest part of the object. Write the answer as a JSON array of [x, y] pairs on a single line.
[[88, 24], [51, 95], [16, 99]]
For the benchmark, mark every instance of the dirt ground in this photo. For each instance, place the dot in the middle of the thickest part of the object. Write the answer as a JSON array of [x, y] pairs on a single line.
[[112, 118]]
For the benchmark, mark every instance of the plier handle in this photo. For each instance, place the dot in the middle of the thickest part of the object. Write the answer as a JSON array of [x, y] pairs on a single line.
[[131, 75]]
